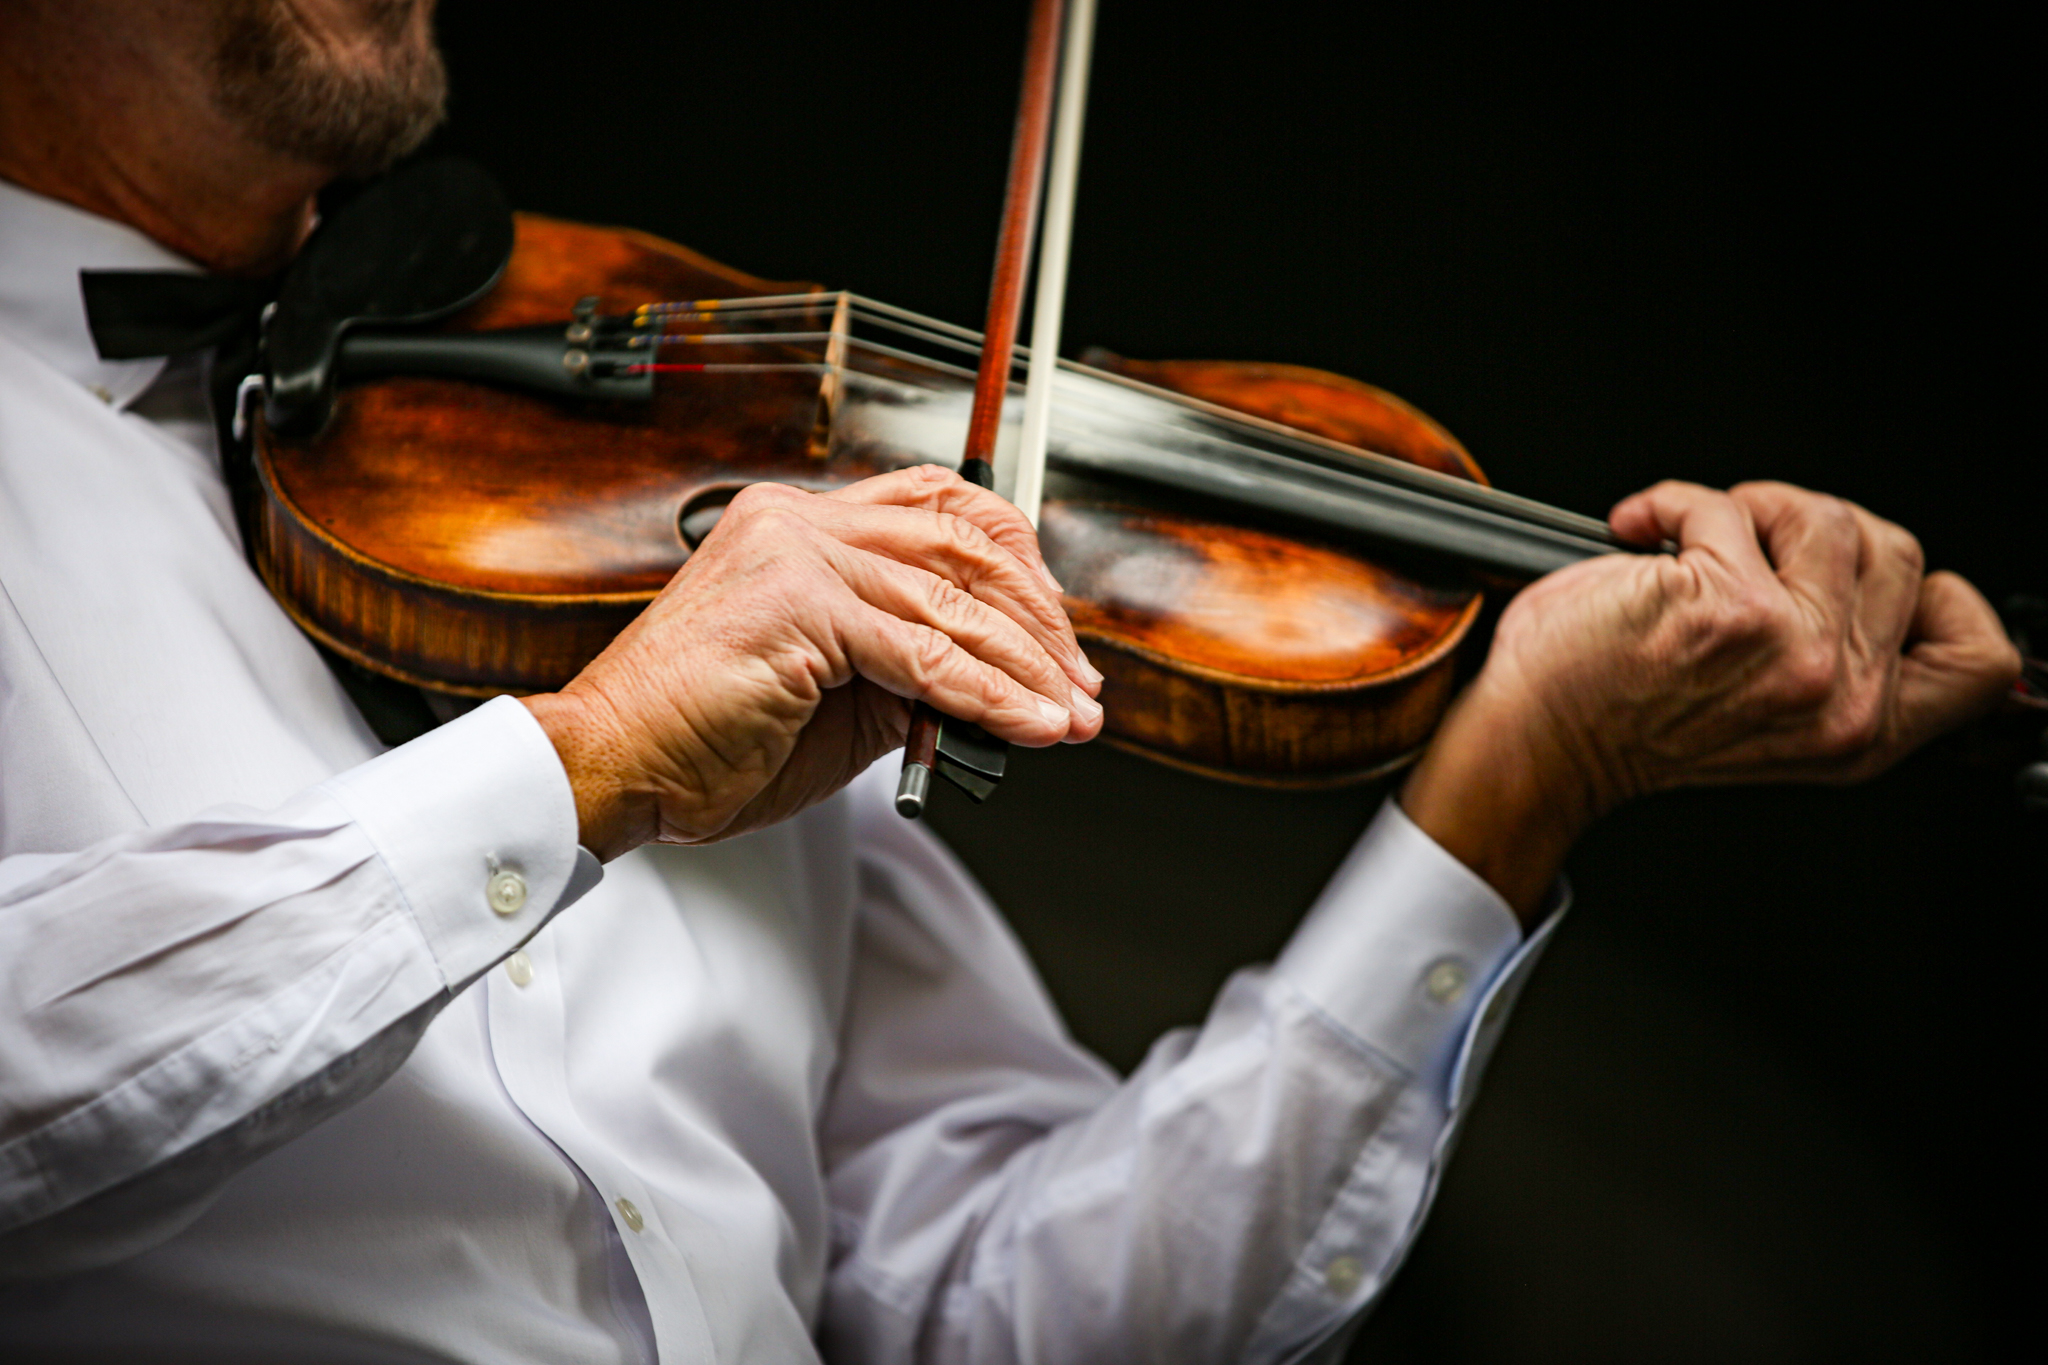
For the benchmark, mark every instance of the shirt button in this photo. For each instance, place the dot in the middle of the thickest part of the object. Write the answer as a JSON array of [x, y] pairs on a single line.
[[1446, 980], [506, 892], [1343, 1275], [520, 968], [631, 1213]]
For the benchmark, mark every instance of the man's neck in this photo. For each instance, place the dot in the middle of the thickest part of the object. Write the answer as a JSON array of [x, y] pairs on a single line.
[[130, 134]]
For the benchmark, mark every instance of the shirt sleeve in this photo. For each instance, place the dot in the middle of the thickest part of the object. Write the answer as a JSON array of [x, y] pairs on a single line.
[[998, 1196], [176, 1002]]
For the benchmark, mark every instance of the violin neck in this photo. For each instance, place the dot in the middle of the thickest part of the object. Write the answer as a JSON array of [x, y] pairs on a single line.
[[1107, 425], [1217, 455]]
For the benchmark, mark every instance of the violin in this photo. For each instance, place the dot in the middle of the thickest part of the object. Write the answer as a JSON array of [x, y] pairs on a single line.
[[471, 518], [486, 440]]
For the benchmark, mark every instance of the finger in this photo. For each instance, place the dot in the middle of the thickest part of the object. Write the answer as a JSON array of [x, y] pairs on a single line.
[[912, 659], [957, 550], [938, 489], [1889, 576], [1959, 664], [853, 726], [983, 632], [1814, 540], [946, 544], [1699, 519]]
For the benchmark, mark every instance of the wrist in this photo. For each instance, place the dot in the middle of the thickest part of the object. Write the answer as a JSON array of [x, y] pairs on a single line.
[[611, 817], [1505, 791]]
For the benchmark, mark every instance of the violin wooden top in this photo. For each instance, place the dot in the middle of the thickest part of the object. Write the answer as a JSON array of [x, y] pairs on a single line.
[[1242, 605], [481, 488], [1317, 401]]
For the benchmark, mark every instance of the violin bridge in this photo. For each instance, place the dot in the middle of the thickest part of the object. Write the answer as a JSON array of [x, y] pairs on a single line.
[[830, 387]]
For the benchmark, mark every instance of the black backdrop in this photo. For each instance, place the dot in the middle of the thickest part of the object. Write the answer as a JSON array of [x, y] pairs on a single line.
[[1763, 1103]]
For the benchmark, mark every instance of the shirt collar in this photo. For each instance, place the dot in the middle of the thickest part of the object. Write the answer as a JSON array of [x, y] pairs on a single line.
[[43, 246]]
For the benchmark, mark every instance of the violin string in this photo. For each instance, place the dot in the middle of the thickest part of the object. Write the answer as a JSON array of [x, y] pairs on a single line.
[[727, 338], [952, 337], [735, 319], [1081, 416], [740, 305], [735, 367]]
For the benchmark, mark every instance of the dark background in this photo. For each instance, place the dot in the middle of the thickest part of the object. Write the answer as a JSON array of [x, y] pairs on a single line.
[[1764, 1102]]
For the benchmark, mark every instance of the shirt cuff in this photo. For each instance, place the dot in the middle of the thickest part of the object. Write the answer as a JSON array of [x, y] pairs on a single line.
[[1403, 945], [477, 823]]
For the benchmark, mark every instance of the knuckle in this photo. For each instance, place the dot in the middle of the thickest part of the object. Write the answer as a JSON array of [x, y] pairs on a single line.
[[763, 515], [991, 688], [1807, 675], [1005, 512], [1851, 729], [1839, 515], [756, 496], [776, 523], [960, 535], [1903, 546], [931, 478], [1669, 490], [1747, 620], [943, 599], [930, 651]]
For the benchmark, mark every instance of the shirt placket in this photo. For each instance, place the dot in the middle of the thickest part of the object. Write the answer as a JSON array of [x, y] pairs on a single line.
[[529, 1032]]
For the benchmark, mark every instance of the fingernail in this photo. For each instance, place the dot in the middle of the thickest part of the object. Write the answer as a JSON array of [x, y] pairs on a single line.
[[1086, 707], [1051, 582], [1091, 672], [1054, 713]]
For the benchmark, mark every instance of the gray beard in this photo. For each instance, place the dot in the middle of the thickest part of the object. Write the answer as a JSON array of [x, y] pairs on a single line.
[[301, 102]]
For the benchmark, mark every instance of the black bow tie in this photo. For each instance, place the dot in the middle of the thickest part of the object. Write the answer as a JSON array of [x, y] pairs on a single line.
[[140, 314]]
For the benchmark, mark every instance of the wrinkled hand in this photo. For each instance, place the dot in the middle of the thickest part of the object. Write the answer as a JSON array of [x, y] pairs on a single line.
[[783, 657], [1792, 638]]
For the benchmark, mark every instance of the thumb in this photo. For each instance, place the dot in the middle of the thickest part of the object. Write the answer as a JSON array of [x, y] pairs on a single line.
[[1958, 660], [1700, 520]]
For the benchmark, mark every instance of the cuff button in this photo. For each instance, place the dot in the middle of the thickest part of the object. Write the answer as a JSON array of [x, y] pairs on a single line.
[[1446, 979], [1342, 1276], [506, 892]]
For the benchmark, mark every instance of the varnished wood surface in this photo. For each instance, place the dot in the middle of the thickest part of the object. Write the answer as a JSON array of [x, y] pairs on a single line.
[[1239, 653], [483, 488], [1242, 606], [1333, 405], [481, 541]]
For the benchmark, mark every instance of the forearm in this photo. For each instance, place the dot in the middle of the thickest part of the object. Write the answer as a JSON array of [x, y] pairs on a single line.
[[1244, 1194], [1501, 791], [169, 986]]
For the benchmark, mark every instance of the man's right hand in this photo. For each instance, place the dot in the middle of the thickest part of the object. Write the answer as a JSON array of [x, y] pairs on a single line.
[[783, 658]]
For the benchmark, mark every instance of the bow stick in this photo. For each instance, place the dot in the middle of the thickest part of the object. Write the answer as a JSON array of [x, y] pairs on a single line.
[[1022, 474], [965, 754]]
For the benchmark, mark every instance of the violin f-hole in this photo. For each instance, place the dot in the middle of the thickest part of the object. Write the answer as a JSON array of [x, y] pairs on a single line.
[[701, 513]]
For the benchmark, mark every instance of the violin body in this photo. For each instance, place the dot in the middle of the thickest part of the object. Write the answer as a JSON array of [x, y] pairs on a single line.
[[474, 539]]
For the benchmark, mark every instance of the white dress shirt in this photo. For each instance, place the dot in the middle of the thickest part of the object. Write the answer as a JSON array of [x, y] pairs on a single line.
[[311, 1051]]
